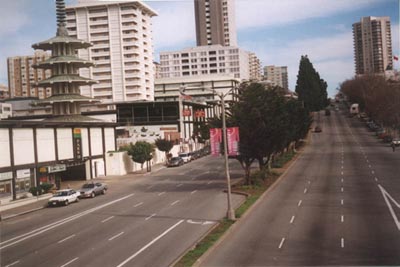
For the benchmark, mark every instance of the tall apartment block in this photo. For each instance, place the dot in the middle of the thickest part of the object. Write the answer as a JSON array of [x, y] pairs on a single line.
[[121, 34], [22, 77], [277, 76], [254, 67], [215, 22], [372, 45], [205, 60]]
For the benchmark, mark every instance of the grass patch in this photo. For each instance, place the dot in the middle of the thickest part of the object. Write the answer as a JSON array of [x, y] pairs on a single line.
[[262, 181]]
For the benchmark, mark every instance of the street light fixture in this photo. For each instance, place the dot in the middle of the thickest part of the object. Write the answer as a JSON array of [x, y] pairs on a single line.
[[230, 214]]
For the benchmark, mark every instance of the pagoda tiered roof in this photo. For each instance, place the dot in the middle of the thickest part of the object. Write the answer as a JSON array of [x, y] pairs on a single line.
[[74, 42], [66, 78], [49, 63]]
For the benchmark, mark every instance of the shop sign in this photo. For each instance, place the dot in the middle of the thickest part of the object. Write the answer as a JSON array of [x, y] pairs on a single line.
[[43, 170], [57, 168], [77, 144], [23, 173], [186, 112], [6, 176], [199, 113]]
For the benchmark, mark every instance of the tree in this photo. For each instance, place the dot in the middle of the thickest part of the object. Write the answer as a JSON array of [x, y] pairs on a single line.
[[311, 89], [201, 130], [164, 145], [141, 152]]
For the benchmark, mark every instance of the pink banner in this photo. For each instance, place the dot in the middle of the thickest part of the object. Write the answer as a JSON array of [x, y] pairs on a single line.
[[233, 140], [215, 141]]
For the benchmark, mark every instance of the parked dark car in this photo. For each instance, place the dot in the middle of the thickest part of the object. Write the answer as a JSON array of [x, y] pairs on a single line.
[[93, 189], [175, 161], [317, 129]]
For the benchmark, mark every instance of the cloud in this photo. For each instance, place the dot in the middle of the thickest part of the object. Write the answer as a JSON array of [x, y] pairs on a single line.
[[331, 56], [262, 13], [175, 25]]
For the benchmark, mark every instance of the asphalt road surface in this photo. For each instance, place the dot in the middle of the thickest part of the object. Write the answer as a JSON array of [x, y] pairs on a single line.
[[339, 204], [147, 221]]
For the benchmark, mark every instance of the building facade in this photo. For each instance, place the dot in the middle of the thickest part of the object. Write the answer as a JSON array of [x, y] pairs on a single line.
[[22, 77], [205, 60], [215, 22], [121, 34], [276, 76], [372, 45], [254, 67]]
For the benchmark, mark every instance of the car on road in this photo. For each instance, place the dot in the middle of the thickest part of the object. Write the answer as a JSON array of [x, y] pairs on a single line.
[[63, 197], [93, 189], [175, 161], [395, 141], [187, 157]]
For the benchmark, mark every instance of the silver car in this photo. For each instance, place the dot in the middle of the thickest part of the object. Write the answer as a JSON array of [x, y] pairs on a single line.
[[93, 189]]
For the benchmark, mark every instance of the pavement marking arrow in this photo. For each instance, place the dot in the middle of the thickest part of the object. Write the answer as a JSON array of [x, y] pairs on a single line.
[[200, 222], [388, 197]]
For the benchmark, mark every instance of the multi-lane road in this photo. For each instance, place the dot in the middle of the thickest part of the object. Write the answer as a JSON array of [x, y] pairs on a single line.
[[339, 204], [147, 221]]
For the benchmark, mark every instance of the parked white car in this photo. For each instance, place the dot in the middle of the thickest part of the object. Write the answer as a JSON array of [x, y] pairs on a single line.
[[64, 197], [187, 157]]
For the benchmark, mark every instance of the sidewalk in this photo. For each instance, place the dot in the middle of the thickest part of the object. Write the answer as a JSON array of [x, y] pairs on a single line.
[[34, 203]]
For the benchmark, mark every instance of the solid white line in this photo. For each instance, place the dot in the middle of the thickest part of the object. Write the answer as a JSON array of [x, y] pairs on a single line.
[[151, 216], [342, 243], [281, 244], [138, 204], [71, 261], [292, 220], [15, 262], [162, 193], [299, 203], [342, 219], [151, 243], [65, 239], [386, 196], [176, 202], [115, 236], [342, 180], [109, 218], [305, 190], [376, 179], [194, 191], [48, 227]]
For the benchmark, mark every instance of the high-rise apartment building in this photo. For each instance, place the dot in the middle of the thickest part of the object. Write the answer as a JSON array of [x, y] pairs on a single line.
[[121, 34], [372, 45], [215, 22], [277, 76], [254, 67], [205, 60], [22, 77]]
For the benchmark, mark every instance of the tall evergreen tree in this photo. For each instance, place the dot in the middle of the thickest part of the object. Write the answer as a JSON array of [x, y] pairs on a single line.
[[312, 90]]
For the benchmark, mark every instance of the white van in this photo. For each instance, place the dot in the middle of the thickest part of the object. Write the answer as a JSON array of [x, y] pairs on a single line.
[[354, 109], [187, 157]]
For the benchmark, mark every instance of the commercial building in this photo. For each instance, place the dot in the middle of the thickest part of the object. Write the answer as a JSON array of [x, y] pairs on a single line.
[[205, 60], [121, 34], [372, 45], [276, 76], [22, 77], [215, 22]]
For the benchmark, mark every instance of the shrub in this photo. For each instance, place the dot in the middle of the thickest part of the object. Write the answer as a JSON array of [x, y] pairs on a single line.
[[35, 190], [46, 187]]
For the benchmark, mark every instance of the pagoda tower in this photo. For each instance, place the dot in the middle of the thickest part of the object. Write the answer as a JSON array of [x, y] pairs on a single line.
[[64, 64]]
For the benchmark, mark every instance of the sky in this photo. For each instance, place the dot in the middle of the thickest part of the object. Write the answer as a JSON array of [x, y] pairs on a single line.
[[278, 31]]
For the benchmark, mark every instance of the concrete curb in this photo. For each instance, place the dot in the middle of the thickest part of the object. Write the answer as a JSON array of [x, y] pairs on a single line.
[[21, 213], [247, 213]]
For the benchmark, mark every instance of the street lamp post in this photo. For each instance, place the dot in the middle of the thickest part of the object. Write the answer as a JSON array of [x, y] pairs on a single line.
[[230, 212]]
